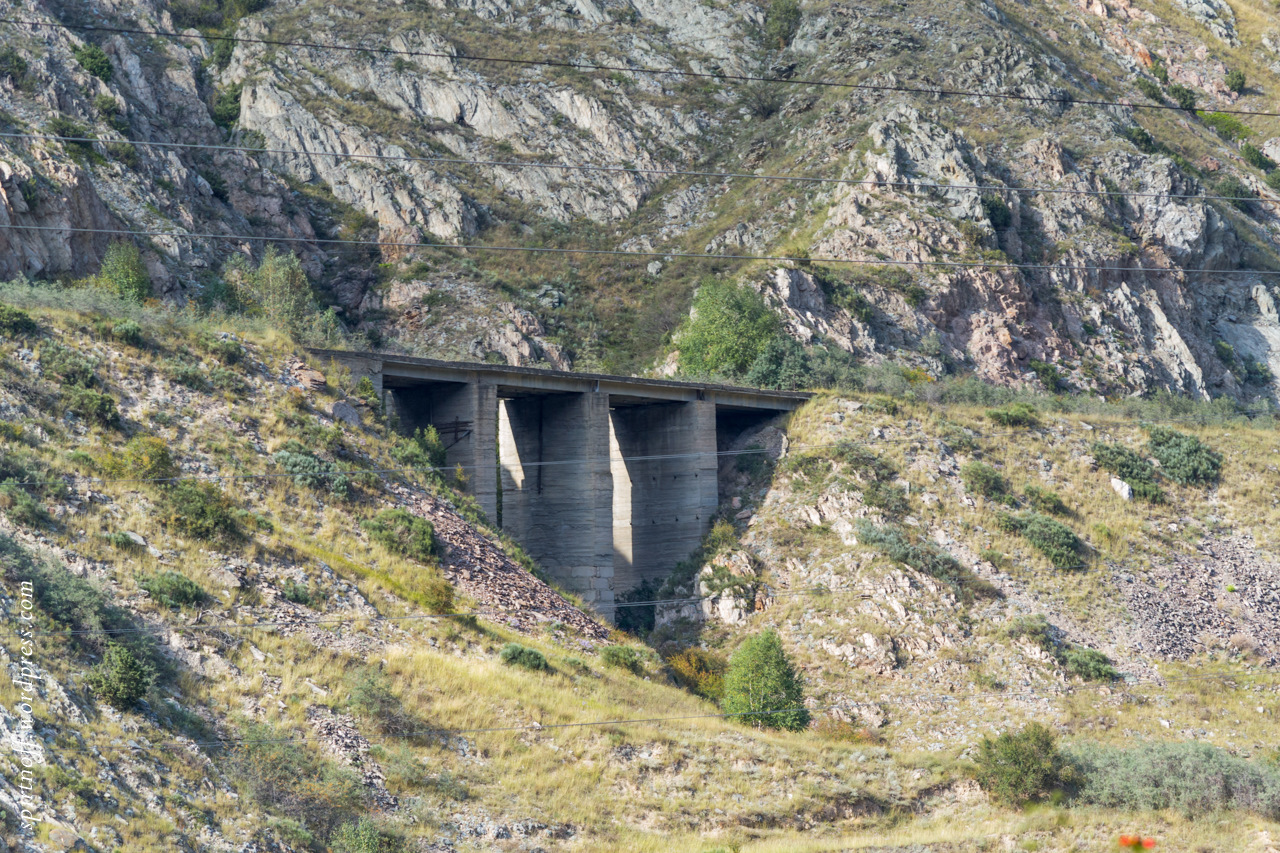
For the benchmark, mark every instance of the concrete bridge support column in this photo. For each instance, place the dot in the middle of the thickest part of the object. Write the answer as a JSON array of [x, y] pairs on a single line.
[[557, 492], [665, 488]]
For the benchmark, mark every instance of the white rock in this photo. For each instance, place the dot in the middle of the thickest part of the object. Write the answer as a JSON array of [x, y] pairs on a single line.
[[1122, 488]]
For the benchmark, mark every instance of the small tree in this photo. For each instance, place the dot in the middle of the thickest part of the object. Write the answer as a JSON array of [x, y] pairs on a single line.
[[1184, 97], [727, 330], [781, 22], [1236, 81], [277, 290], [1022, 767], [123, 272], [121, 679], [94, 60], [762, 687]]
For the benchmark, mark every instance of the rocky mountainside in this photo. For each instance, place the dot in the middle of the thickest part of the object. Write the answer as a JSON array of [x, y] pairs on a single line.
[[436, 147]]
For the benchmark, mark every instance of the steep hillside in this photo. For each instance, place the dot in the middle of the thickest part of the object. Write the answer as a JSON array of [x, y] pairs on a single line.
[[248, 639], [412, 140]]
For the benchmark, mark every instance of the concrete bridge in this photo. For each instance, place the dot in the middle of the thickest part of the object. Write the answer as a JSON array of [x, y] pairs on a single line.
[[605, 480]]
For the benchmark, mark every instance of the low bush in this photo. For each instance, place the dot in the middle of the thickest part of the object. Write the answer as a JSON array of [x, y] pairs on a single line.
[[94, 406], [226, 350], [782, 364], [1044, 500], [928, 558], [16, 322], [1192, 778], [781, 22], [1236, 192], [1149, 88], [1129, 467], [1226, 125], [121, 679], [1183, 96], [68, 366], [278, 772], [622, 657], [94, 60], [888, 498], [981, 479], [1015, 415], [371, 697], [21, 507], [1021, 767], [1255, 158], [762, 687], [143, 457], [226, 106], [1034, 628], [363, 836], [1050, 537], [634, 618], [700, 671], [201, 510], [1089, 664], [401, 532], [128, 332], [514, 654], [187, 373], [1183, 458], [171, 589], [1236, 80], [998, 212], [296, 592], [423, 451], [862, 463]]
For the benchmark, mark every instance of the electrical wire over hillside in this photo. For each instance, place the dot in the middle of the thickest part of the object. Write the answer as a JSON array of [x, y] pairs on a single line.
[[456, 56], [626, 253], [911, 185]]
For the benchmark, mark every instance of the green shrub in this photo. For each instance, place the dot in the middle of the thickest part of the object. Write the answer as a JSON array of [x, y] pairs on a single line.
[[226, 350], [1048, 375], [1015, 415], [305, 468], [201, 510], [998, 212], [363, 836], [94, 60], [1235, 80], [928, 558], [1129, 467], [1193, 778], [860, 461], [1048, 536], [121, 679], [15, 322], [637, 619], [781, 22], [1138, 135], [21, 506], [782, 364], [423, 450], [700, 671], [1150, 89], [67, 365], [1022, 767], [888, 498], [728, 329], [622, 657], [371, 697], [1159, 71], [1182, 96], [128, 332], [1034, 628], [981, 479], [1255, 158], [1183, 458], [91, 405], [226, 106], [278, 291], [762, 687], [1226, 125], [1089, 664], [171, 589], [14, 68], [1044, 500], [123, 272], [401, 532], [187, 373], [1235, 191], [278, 772], [144, 457], [514, 654], [1273, 180]]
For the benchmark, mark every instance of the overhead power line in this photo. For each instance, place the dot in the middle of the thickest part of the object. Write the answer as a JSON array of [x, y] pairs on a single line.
[[405, 244], [930, 91], [911, 185]]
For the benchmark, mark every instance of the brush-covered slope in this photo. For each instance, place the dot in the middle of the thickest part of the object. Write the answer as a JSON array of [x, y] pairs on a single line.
[[1057, 173], [240, 650]]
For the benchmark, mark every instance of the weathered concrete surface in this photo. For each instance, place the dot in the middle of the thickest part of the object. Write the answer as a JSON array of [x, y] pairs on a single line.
[[606, 480]]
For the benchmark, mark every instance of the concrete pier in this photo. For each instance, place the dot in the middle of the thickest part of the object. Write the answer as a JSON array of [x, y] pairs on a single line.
[[605, 480]]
